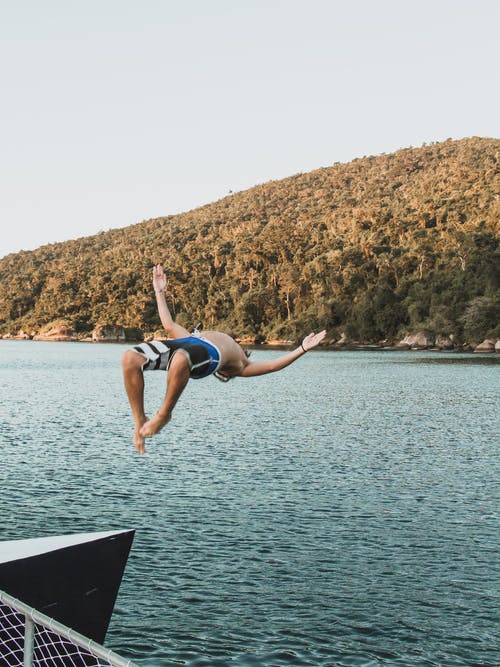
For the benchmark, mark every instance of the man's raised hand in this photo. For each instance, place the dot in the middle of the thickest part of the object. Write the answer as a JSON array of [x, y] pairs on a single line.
[[159, 278], [313, 340]]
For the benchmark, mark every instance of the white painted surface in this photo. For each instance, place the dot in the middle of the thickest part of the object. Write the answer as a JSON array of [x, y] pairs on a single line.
[[17, 549]]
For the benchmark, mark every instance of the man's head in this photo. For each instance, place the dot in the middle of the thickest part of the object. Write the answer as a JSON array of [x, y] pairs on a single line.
[[225, 377]]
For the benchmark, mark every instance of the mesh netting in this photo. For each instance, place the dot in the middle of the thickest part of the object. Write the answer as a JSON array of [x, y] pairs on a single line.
[[11, 637], [50, 649]]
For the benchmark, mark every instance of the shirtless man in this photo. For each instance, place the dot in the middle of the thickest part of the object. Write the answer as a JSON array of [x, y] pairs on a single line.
[[188, 355]]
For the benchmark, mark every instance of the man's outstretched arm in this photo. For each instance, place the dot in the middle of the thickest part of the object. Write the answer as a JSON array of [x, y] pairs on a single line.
[[254, 368], [173, 329]]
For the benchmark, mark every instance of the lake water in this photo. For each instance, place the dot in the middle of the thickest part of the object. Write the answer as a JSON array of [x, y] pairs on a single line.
[[341, 513]]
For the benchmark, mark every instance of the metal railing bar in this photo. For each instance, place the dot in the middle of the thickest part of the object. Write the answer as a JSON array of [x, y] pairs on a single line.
[[29, 641]]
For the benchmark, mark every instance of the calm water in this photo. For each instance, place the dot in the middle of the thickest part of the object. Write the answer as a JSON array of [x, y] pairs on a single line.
[[341, 513]]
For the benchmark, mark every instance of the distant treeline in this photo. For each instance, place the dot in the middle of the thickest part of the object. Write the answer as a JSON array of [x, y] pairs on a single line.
[[374, 248]]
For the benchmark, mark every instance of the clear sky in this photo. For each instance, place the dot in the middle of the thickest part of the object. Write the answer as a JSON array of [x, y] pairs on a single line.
[[116, 111]]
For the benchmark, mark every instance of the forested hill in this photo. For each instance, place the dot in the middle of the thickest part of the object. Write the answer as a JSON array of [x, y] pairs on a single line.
[[373, 248]]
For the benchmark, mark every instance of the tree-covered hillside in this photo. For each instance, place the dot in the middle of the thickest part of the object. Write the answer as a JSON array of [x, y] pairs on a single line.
[[374, 248]]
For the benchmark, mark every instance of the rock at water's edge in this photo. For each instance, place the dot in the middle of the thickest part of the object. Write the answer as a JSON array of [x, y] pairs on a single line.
[[115, 333], [60, 333], [421, 339], [343, 340], [486, 346], [109, 333], [444, 343]]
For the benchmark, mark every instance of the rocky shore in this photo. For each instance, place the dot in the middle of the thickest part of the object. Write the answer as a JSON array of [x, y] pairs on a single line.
[[112, 333], [421, 340], [107, 333]]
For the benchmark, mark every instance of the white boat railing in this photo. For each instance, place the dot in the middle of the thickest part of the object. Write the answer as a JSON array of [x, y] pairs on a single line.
[[29, 638]]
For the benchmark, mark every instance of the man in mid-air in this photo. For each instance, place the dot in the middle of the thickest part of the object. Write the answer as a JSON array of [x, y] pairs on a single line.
[[186, 355]]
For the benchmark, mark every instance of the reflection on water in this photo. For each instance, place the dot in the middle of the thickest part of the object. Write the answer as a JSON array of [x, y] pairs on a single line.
[[453, 359], [341, 512]]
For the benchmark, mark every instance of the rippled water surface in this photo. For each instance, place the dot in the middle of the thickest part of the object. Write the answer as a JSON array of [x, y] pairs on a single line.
[[343, 512]]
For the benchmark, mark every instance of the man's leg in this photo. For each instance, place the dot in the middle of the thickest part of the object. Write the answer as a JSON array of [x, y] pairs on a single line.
[[133, 377], [177, 379]]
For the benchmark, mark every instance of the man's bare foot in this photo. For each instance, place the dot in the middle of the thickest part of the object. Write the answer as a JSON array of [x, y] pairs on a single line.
[[154, 425], [138, 438]]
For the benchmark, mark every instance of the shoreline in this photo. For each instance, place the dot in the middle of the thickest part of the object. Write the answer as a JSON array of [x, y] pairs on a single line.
[[280, 345]]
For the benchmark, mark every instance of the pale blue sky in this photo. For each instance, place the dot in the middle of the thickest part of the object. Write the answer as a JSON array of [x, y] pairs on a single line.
[[116, 111]]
